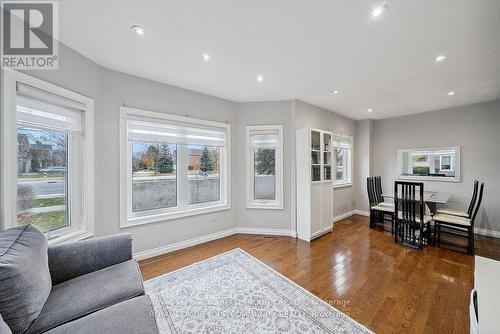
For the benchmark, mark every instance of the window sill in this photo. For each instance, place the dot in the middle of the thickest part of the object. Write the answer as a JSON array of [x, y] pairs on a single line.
[[265, 206], [342, 185], [136, 221], [70, 237], [430, 178]]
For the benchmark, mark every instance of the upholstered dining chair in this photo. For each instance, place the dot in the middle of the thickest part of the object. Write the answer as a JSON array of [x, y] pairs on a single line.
[[472, 202], [458, 226], [379, 210], [412, 225]]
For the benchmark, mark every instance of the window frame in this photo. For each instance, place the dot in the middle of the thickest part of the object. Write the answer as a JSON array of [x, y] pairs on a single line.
[[179, 211], [78, 230], [348, 167], [251, 203], [454, 160]]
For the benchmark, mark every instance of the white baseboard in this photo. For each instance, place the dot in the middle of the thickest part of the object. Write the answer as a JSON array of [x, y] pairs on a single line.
[[206, 238], [343, 216], [265, 231], [362, 213], [183, 244], [488, 233]]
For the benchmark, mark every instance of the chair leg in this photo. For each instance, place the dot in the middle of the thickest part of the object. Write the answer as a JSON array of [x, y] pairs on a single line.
[[471, 241], [438, 234]]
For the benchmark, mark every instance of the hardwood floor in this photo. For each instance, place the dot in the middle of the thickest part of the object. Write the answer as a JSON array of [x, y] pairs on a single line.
[[362, 272]]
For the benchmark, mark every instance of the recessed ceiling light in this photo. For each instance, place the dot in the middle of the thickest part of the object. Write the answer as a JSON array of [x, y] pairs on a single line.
[[335, 91], [378, 11], [451, 93], [206, 57], [260, 78], [440, 58], [139, 30], [370, 109]]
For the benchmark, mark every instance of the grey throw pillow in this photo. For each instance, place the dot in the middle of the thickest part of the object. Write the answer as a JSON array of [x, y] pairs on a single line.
[[25, 281]]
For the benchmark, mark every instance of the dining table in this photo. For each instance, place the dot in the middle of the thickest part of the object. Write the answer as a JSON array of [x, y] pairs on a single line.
[[431, 199]]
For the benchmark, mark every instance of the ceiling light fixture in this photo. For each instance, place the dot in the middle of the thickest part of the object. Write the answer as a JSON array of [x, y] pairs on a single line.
[[370, 109], [260, 78], [451, 93], [378, 11], [206, 57], [335, 91], [139, 30], [440, 58]]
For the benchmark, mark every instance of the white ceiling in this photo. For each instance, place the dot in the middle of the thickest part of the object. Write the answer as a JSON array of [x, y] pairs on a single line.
[[303, 49]]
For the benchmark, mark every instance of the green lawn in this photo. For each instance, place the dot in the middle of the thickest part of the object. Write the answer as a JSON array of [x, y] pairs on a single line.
[[44, 202], [45, 221]]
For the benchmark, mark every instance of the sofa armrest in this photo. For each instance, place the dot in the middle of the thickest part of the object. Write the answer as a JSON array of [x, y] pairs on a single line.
[[67, 261]]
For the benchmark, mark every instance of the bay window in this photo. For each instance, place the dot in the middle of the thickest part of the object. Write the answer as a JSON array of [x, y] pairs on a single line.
[[48, 158], [264, 166], [171, 166]]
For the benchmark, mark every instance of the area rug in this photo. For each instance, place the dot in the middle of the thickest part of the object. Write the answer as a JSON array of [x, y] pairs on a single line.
[[236, 293]]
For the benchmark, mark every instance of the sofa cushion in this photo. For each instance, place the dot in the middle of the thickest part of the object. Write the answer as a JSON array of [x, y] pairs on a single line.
[[132, 316], [89, 293], [4, 328], [25, 276]]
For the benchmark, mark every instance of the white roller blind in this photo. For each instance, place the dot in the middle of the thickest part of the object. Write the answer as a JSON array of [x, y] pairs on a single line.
[[40, 108], [264, 139], [175, 132], [342, 142]]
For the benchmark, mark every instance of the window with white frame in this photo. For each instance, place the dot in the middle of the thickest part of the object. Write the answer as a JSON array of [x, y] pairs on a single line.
[[436, 164], [49, 135], [342, 162], [172, 166], [264, 166]]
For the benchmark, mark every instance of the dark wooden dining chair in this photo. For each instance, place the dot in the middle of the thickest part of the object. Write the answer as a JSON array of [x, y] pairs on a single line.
[[412, 224], [379, 210], [458, 226], [472, 203]]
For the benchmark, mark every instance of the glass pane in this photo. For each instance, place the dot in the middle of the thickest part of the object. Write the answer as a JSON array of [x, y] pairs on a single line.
[[326, 141], [327, 173], [203, 174], [340, 158], [42, 157], [316, 173], [315, 140], [154, 177], [265, 173], [421, 164]]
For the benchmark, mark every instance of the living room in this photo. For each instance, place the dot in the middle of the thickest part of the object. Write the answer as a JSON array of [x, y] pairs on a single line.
[[273, 166]]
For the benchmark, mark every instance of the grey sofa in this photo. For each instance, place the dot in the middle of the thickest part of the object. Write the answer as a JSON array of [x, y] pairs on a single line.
[[90, 286]]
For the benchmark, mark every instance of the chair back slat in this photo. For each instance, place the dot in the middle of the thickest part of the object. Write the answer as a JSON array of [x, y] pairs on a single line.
[[370, 185], [378, 189], [473, 199], [409, 211], [479, 200]]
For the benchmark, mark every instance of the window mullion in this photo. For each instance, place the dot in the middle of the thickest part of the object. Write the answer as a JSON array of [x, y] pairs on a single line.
[[182, 176]]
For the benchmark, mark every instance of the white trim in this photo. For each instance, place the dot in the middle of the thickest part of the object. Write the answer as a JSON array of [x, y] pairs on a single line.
[[265, 231], [488, 233], [9, 152], [171, 213], [183, 244], [251, 203], [343, 216], [206, 238], [362, 213], [456, 160]]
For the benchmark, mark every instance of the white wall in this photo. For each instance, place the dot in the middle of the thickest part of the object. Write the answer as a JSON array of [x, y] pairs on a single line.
[[264, 113], [110, 89], [310, 116], [362, 162], [475, 128]]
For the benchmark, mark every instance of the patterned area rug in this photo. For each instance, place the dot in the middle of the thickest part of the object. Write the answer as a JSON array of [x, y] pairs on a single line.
[[236, 293]]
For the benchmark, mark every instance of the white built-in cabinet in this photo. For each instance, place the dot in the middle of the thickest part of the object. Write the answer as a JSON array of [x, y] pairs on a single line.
[[314, 183]]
